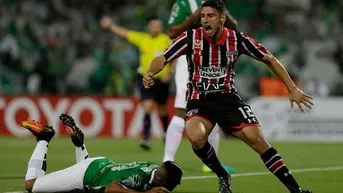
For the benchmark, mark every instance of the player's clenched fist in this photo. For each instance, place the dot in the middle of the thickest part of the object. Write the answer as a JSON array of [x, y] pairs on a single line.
[[147, 80], [105, 22], [158, 190]]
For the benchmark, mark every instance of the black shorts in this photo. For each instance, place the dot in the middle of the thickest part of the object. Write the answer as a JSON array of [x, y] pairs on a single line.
[[159, 92], [229, 111]]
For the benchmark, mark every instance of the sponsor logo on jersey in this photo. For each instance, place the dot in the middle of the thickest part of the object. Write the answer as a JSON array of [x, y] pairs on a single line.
[[230, 53], [132, 181], [192, 112], [125, 166], [212, 72], [208, 87]]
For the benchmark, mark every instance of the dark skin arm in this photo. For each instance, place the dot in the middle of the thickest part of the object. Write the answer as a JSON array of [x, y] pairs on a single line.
[[117, 187], [176, 30], [230, 22]]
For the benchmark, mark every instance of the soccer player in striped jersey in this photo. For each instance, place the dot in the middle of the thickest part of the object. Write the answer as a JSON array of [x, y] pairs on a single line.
[[185, 15], [211, 52], [96, 175]]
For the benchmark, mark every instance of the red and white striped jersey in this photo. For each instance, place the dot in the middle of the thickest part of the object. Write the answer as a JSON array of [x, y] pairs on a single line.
[[210, 64]]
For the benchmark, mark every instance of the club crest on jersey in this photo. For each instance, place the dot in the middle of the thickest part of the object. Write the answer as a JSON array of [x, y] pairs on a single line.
[[231, 53]]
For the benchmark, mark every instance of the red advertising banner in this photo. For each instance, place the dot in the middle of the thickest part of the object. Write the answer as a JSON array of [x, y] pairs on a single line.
[[97, 116]]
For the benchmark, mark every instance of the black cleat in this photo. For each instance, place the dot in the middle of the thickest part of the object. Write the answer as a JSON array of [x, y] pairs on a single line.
[[145, 145], [224, 184], [42, 132], [75, 133]]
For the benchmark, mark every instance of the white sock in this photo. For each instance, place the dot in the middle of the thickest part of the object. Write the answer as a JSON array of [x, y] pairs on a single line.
[[173, 137], [214, 138], [37, 164], [81, 153]]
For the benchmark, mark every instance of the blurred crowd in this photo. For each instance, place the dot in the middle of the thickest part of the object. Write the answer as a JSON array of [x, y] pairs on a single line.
[[57, 47]]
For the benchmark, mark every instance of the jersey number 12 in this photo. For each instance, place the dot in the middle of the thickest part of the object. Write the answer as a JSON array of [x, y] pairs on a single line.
[[246, 112]]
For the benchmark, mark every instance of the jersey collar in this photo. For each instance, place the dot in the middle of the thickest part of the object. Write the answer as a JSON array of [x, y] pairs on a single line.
[[222, 39], [152, 176]]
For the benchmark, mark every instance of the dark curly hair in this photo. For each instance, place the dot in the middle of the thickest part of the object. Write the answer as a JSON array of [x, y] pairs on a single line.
[[215, 4]]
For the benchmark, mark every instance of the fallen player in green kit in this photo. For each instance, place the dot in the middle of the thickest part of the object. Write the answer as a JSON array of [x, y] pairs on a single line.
[[99, 174]]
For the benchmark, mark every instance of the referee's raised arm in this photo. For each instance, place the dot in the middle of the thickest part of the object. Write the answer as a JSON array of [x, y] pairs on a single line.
[[106, 23]]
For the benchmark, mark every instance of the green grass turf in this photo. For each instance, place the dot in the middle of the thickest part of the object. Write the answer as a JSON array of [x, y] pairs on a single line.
[[16, 152]]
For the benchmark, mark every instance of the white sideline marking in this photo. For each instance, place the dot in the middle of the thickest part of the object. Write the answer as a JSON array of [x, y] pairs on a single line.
[[16, 192], [267, 173], [253, 174]]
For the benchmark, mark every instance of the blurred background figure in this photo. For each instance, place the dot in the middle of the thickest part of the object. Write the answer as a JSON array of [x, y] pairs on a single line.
[[185, 15], [66, 35], [150, 44], [316, 88], [79, 57]]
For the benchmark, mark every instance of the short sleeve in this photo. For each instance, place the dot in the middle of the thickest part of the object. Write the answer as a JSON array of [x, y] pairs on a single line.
[[251, 48], [135, 37], [178, 13], [177, 48]]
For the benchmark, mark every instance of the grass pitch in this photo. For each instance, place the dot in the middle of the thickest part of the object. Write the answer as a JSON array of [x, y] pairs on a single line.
[[323, 163]]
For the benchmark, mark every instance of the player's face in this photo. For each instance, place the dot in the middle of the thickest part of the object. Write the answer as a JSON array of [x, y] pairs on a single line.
[[161, 180], [155, 27], [211, 21], [158, 178]]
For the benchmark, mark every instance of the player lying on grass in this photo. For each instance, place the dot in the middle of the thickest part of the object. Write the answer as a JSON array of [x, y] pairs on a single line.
[[96, 175]]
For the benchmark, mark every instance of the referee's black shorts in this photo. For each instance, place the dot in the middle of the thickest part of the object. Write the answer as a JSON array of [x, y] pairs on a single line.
[[229, 111], [159, 92]]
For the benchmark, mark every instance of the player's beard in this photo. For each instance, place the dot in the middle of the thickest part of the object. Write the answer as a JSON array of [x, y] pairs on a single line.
[[212, 31], [216, 33]]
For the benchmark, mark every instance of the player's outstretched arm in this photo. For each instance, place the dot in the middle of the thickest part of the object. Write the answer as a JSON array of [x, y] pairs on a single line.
[[279, 70], [260, 53], [155, 67], [295, 94], [117, 187], [107, 24]]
